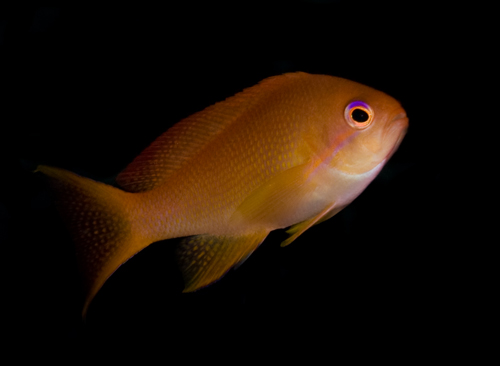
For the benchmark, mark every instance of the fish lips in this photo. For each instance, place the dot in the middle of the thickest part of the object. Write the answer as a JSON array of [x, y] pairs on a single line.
[[398, 123]]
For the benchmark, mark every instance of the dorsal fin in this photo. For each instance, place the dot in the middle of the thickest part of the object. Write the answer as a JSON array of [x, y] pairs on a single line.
[[187, 138]]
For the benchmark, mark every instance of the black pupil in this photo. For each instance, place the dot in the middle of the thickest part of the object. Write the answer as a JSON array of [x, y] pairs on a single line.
[[359, 115]]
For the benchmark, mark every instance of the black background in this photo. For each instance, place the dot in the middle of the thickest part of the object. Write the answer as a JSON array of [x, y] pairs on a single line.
[[87, 88]]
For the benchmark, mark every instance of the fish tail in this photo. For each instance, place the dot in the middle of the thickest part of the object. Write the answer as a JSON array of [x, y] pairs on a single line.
[[99, 219]]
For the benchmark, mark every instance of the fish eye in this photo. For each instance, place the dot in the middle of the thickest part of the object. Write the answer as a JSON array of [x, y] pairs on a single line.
[[359, 115]]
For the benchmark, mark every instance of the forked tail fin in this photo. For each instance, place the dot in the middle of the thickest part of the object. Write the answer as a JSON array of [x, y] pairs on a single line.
[[98, 217]]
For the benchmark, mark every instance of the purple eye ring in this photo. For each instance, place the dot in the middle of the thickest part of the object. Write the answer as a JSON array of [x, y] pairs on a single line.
[[358, 114]]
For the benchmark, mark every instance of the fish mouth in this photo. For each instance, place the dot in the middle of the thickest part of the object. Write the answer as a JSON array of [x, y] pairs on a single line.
[[399, 122], [400, 116]]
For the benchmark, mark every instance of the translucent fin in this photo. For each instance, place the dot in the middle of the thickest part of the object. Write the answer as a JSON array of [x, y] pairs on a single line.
[[187, 138], [204, 259], [277, 197], [96, 215], [330, 214], [297, 229]]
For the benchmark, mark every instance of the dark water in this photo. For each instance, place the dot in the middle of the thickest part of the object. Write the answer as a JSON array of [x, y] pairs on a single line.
[[87, 88]]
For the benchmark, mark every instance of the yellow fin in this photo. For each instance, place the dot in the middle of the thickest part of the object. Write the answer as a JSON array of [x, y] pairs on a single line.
[[280, 195], [297, 229], [182, 142], [204, 259], [97, 217]]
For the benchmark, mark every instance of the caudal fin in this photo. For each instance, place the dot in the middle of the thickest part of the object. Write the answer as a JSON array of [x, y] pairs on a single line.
[[98, 216]]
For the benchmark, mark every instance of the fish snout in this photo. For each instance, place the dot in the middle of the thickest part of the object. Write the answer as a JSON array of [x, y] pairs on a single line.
[[398, 127], [400, 118]]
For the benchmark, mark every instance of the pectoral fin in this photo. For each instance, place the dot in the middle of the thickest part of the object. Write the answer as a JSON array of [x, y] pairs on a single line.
[[277, 197], [297, 229], [204, 259]]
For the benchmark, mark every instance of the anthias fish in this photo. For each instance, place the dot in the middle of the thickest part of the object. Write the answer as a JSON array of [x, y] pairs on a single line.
[[291, 151]]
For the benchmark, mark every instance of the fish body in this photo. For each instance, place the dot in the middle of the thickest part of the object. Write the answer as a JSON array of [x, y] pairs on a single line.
[[291, 151]]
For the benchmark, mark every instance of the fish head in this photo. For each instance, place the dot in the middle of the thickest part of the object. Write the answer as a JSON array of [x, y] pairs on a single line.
[[370, 128]]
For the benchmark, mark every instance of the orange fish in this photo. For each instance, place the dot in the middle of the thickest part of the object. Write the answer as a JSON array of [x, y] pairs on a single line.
[[291, 151]]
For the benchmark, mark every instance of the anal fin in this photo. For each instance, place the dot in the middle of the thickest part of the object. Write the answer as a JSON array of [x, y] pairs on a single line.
[[203, 259]]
